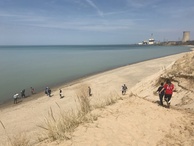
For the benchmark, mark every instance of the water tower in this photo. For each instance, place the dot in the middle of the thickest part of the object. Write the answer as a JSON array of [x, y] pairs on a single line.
[[186, 36]]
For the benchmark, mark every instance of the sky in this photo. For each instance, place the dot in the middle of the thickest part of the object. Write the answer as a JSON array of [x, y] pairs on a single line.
[[93, 22]]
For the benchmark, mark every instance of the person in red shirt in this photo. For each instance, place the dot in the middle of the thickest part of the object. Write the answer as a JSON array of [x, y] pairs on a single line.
[[168, 88]]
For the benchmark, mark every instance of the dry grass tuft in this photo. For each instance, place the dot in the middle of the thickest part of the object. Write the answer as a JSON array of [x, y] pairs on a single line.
[[63, 126], [110, 100], [181, 72], [60, 127], [83, 100], [18, 140]]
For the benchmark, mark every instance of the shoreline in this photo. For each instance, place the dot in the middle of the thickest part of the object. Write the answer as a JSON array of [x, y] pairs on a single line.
[[54, 88], [52, 82], [26, 116]]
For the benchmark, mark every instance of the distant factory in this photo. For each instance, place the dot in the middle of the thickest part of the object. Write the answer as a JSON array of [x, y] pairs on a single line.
[[185, 40]]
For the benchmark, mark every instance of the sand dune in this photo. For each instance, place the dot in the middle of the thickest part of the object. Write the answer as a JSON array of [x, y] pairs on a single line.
[[131, 121], [135, 122]]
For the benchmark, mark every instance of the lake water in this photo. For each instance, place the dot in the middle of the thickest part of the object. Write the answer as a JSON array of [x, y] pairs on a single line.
[[22, 67]]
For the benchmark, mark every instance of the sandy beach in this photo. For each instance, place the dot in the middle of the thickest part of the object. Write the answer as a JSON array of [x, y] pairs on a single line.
[[135, 120]]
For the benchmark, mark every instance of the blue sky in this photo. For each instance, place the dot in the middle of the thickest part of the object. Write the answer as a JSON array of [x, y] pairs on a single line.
[[73, 22]]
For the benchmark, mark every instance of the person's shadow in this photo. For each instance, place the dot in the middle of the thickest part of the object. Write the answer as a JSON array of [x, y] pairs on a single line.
[[62, 97], [164, 105]]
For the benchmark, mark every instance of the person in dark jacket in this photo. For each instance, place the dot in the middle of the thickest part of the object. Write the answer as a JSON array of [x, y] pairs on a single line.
[[161, 94], [49, 92], [23, 93]]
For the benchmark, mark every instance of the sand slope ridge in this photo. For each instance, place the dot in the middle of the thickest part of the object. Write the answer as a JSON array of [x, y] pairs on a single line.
[[182, 75], [135, 121]]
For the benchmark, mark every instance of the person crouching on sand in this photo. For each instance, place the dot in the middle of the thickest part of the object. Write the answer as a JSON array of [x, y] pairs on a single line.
[[169, 88]]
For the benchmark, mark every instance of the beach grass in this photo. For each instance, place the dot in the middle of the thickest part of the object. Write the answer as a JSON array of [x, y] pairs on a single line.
[[111, 99], [60, 127], [84, 102], [17, 140]]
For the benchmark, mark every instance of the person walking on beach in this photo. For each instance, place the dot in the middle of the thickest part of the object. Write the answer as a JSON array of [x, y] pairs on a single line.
[[46, 91], [124, 89], [60, 93], [32, 90], [15, 97], [169, 88], [89, 91], [49, 92], [161, 95]]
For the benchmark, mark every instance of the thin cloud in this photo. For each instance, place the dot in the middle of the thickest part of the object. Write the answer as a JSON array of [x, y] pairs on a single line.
[[115, 12], [91, 3], [24, 19], [181, 13], [142, 3], [4, 14], [102, 28], [87, 25]]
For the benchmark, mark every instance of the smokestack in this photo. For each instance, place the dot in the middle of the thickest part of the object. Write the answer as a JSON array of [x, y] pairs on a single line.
[[186, 36]]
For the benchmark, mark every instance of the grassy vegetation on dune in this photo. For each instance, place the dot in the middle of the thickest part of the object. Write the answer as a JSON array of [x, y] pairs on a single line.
[[17, 140], [62, 127]]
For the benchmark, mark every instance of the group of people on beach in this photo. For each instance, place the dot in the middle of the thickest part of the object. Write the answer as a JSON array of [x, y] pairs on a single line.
[[48, 92], [23, 95], [166, 91]]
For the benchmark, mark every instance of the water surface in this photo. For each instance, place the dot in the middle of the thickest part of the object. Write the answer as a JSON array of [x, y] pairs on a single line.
[[22, 67]]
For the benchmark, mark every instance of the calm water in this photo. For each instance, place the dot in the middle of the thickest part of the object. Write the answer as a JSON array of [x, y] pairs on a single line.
[[39, 66]]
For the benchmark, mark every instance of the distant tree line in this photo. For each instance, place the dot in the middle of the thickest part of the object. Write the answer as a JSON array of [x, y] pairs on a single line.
[[177, 43]]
